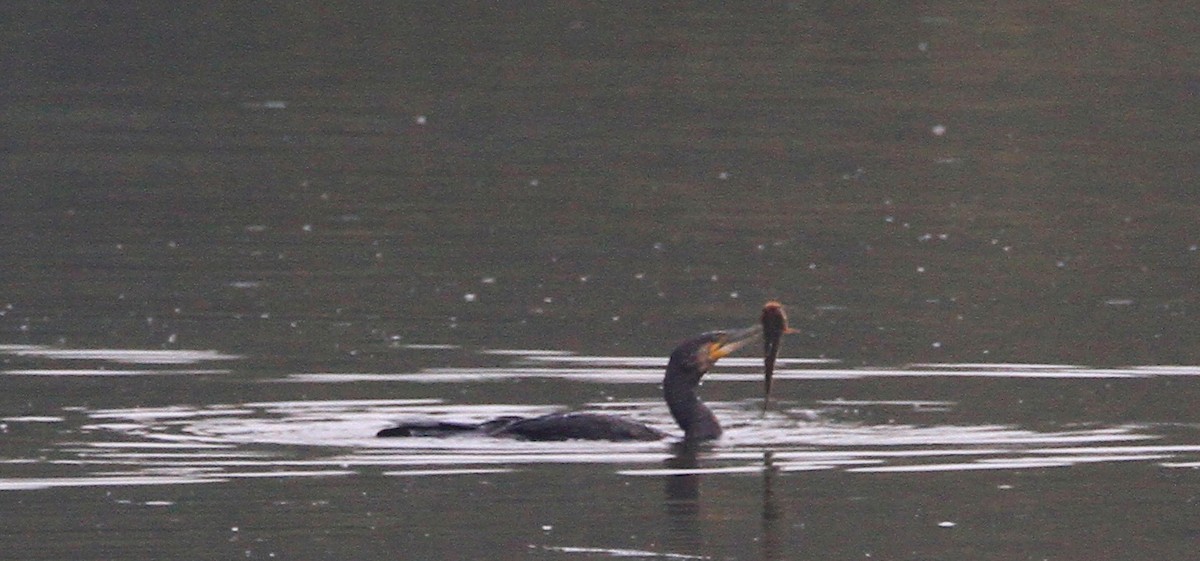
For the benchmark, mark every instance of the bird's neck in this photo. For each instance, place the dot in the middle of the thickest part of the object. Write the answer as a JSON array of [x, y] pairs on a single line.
[[693, 416]]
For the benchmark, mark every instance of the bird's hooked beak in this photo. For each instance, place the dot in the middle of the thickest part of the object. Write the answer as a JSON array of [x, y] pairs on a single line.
[[731, 341]]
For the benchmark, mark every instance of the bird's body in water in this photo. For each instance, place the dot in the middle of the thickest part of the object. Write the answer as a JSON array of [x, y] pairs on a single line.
[[688, 364], [555, 426]]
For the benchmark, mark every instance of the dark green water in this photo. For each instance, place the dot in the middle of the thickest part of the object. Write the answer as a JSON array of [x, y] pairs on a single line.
[[239, 239]]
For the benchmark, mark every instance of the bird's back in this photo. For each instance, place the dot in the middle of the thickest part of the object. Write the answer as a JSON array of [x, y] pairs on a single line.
[[579, 426]]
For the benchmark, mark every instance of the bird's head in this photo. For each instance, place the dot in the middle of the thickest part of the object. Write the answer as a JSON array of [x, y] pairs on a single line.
[[698, 354]]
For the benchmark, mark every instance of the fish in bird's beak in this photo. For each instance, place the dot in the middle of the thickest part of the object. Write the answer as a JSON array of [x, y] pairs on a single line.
[[774, 325], [731, 341]]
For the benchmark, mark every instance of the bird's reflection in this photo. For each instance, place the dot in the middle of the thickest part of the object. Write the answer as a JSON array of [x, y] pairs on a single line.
[[685, 510], [683, 488], [683, 499]]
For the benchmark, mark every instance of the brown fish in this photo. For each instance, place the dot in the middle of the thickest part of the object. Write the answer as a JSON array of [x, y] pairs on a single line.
[[774, 325]]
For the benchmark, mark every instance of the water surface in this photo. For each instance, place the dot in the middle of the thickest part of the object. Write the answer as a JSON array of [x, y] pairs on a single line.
[[237, 240], [984, 461]]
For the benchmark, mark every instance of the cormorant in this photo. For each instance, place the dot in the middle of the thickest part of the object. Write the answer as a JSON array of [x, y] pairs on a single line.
[[689, 362]]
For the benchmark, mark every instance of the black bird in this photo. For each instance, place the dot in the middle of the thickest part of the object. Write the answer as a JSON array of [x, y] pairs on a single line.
[[689, 362]]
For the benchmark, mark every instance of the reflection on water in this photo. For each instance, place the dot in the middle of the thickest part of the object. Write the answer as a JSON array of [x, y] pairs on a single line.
[[122, 356], [206, 443], [167, 360], [627, 553]]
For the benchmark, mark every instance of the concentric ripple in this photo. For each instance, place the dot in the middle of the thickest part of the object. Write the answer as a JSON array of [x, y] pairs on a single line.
[[176, 444]]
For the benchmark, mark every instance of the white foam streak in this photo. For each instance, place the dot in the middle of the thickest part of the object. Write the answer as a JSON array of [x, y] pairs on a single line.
[[69, 372], [125, 356]]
